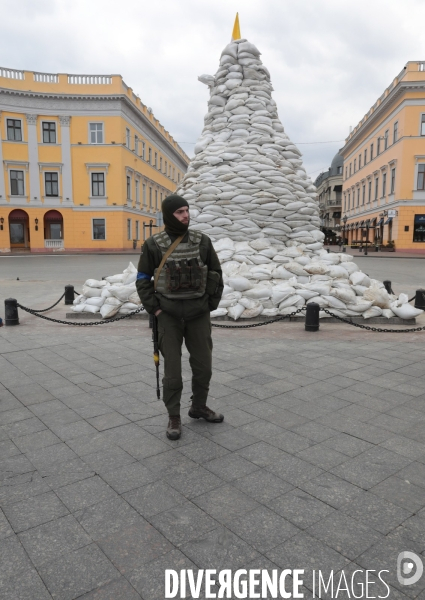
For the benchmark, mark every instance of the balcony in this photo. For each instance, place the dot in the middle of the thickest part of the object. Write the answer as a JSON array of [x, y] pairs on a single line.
[[54, 244]]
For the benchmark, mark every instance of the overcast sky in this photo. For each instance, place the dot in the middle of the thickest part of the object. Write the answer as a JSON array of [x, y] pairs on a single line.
[[329, 59]]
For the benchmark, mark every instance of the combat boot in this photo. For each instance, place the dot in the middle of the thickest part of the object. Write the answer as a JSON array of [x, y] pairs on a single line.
[[203, 412], [174, 429]]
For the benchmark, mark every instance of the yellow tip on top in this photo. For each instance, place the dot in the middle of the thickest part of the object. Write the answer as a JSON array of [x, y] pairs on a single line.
[[236, 33]]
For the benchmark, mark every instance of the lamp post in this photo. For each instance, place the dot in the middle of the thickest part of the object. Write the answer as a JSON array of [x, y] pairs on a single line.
[[367, 237], [344, 220]]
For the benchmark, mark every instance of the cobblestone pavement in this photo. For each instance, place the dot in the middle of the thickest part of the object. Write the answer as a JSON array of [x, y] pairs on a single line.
[[319, 464]]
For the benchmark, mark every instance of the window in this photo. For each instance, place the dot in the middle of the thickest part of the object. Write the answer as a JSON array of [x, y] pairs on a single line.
[[156, 160], [127, 137], [14, 130], [363, 194], [419, 228], [51, 181], [137, 182], [128, 187], [371, 152], [144, 194], [365, 156], [395, 134], [150, 198], [137, 230], [349, 201], [421, 177], [422, 125], [136, 144], [143, 150], [339, 170], [174, 174], [369, 193], [129, 228], [160, 163], [346, 172], [358, 196], [161, 198], [355, 164], [98, 184], [166, 165], [178, 177], [16, 183], [150, 156], [49, 133], [378, 146], [360, 161], [386, 139], [96, 133], [384, 184], [99, 229], [376, 187], [350, 169], [169, 171], [392, 181], [156, 199]]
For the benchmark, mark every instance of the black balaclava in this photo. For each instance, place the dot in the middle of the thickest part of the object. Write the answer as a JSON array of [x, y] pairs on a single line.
[[169, 207]]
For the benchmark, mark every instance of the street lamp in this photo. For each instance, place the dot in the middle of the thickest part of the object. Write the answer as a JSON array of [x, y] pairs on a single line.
[[367, 237]]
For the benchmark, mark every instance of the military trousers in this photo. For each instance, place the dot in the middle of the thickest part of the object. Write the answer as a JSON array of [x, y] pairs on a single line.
[[196, 334]]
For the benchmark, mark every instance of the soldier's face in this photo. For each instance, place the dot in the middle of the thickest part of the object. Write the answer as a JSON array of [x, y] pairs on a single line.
[[182, 214]]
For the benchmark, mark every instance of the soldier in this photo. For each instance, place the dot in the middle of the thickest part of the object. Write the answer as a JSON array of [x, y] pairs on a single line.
[[180, 281]]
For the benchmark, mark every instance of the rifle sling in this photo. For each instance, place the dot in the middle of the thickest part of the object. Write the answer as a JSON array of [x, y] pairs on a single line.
[[164, 258]]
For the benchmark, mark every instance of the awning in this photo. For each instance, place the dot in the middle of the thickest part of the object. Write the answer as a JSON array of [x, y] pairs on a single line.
[[337, 188], [419, 218], [361, 223], [388, 220], [356, 225], [53, 215], [381, 220], [336, 215], [372, 222], [18, 215]]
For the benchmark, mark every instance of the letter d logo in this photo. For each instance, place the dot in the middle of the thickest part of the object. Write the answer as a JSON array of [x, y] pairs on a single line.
[[407, 574]]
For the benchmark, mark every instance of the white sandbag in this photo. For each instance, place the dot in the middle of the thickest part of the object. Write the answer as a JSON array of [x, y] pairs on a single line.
[[109, 310], [293, 300], [280, 294], [359, 278], [79, 299], [94, 283], [112, 301], [321, 288], [402, 299], [373, 311], [135, 298], [90, 292], [251, 313], [239, 284], [378, 296], [130, 306], [258, 293], [288, 310], [218, 312], [130, 274], [387, 313], [317, 268], [405, 311], [226, 302], [115, 278], [105, 292], [282, 273], [79, 308], [122, 292], [91, 309], [360, 307], [320, 300], [234, 312], [270, 312], [347, 296], [295, 268], [95, 301], [337, 271], [335, 302]]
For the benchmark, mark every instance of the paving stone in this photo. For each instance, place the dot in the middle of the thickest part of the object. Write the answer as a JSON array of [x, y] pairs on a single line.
[[414, 473], [135, 441], [230, 467], [13, 558], [108, 421], [134, 546], [262, 486], [401, 492], [49, 455], [37, 440], [108, 459], [170, 463], [203, 450], [23, 427], [316, 432], [85, 493], [34, 511], [107, 517], [119, 589], [183, 523], [331, 489], [218, 549], [348, 444], [128, 477], [225, 503], [322, 456], [294, 470], [234, 439], [376, 512], [26, 585], [5, 529], [153, 498], [21, 487], [148, 579], [194, 483], [77, 572], [58, 475], [300, 508], [46, 542], [261, 453]]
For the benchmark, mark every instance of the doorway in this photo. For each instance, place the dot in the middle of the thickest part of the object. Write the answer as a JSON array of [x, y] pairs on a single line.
[[19, 230]]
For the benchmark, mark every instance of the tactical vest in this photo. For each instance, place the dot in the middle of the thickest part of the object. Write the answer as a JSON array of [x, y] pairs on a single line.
[[184, 275]]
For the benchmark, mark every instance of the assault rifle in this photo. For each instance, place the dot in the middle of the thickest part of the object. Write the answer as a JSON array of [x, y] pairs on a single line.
[[156, 353]]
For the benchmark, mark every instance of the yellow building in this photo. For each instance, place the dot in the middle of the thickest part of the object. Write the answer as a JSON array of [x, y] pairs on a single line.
[[384, 168], [84, 163]]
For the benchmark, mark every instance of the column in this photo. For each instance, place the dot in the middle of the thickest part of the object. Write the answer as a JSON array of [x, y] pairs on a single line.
[[65, 123], [2, 186], [34, 193]]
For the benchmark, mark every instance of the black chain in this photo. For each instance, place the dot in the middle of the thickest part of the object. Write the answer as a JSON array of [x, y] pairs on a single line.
[[259, 324], [40, 310], [372, 328], [76, 293], [35, 313]]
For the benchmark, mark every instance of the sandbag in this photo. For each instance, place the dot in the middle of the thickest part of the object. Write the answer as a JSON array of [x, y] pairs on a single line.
[[234, 312], [405, 311]]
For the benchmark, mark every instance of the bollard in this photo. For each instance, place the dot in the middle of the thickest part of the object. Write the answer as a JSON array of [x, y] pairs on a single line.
[[312, 317], [387, 285], [69, 294], [327, 250], [11, 311], [151, 321], [344, 249], [420, 299]]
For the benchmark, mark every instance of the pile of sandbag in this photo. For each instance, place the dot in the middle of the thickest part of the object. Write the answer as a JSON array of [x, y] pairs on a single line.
[[112, 295]]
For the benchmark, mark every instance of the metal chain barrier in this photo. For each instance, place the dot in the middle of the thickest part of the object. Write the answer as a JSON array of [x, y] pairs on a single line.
[[36, 314], [371, 328], [259, 324], [40, 310]]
